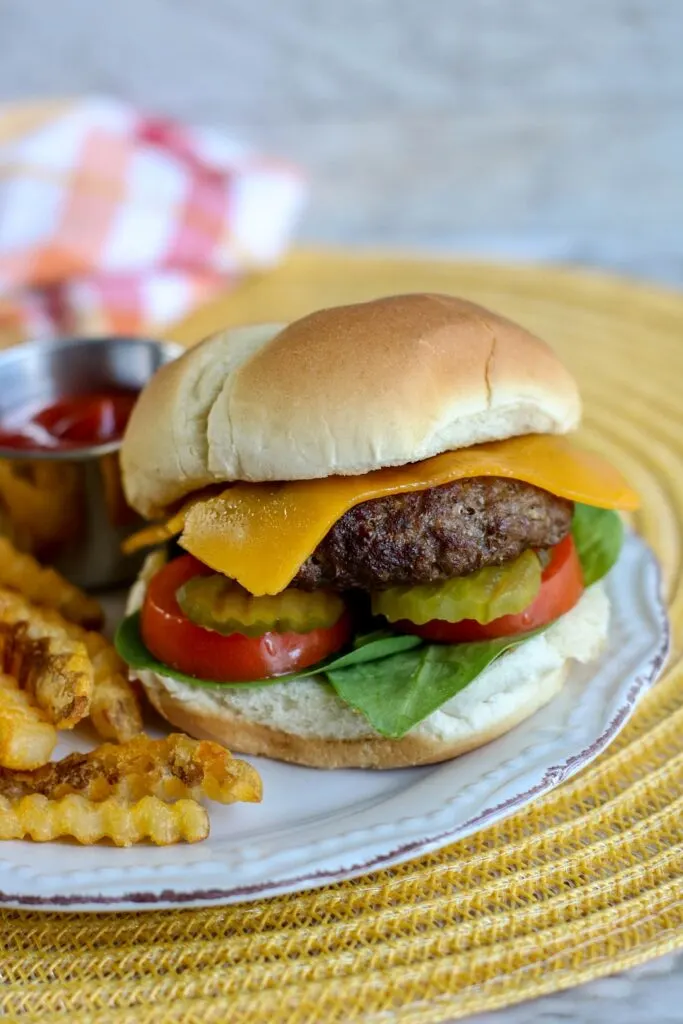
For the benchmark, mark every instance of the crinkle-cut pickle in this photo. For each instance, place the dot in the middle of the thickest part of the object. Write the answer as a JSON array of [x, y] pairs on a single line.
[[220, 604], [484, 595]]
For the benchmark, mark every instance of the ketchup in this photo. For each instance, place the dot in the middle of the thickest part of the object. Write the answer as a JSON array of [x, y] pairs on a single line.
[[70, 423]]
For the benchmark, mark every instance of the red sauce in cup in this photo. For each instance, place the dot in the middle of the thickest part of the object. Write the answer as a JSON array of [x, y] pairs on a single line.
[[70, 423]]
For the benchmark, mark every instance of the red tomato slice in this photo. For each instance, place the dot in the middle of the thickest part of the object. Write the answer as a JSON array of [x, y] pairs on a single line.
[[561, 588], [174, 639]]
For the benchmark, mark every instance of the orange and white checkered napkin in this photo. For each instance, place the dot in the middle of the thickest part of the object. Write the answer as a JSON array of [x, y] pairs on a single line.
[[115, 222]]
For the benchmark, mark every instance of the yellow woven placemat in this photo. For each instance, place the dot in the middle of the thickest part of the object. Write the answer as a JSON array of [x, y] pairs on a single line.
[[586, 881]]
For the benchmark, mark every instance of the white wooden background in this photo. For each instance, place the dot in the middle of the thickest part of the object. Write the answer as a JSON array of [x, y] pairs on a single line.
[[536, 128], [522, 128]]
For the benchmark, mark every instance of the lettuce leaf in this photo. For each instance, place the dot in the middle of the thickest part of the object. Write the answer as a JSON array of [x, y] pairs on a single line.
[[396, 681]]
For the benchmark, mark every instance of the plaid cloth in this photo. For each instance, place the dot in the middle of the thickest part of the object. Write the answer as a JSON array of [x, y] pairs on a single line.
[[115, 222]]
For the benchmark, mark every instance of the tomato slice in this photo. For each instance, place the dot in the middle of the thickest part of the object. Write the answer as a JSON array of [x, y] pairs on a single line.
[[179, 643], [561, 588]]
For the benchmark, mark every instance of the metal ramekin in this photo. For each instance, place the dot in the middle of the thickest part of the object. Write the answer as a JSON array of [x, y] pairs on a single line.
[[68, 506]]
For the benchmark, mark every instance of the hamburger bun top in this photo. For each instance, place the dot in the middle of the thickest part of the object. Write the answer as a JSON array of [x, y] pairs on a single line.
[[341, 391]]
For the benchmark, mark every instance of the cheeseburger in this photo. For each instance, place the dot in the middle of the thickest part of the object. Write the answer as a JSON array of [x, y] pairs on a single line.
[[375, 545]]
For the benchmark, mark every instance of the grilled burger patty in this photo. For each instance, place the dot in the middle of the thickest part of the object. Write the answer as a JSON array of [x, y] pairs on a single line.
[[432, 535]]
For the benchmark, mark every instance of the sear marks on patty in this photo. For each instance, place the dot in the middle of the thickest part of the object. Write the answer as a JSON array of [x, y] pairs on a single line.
[[432, 535]]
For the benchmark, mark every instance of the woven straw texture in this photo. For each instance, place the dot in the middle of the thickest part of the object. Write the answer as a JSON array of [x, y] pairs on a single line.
[[586, 881]]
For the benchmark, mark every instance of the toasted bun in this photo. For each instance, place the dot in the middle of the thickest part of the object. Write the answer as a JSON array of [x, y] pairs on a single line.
[[342, 391], [305, 723]]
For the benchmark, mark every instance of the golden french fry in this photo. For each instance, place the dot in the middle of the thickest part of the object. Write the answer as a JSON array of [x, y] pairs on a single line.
[[117, 707], [177, 767], [45, 586], [40, 654], [27, 738], [41, 819], [115, 710], [41, 500]]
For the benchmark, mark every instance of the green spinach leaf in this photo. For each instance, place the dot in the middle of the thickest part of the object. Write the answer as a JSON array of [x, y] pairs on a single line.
[[598, 535], [396, 693]]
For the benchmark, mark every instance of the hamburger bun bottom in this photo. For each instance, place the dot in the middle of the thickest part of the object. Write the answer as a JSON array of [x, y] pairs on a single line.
[[305, 723]]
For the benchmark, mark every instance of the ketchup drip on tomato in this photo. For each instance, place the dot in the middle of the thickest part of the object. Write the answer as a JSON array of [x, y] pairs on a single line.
[[78, 421]]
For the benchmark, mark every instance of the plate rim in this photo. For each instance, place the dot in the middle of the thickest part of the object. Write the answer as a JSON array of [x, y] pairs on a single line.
[[313, 879]]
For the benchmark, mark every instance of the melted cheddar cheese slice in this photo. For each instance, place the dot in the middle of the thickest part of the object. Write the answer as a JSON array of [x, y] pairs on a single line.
[[260, 534]]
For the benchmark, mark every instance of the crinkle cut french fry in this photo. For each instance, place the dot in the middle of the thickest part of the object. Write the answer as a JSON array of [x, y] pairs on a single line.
[[38, 818], [173, 768], [45, 586], [27, 739], [115, 706], [112, 700], [37, 649], [40, 499], [115, 710]]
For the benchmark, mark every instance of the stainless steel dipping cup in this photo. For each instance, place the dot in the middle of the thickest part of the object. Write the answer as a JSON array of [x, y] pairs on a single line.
[[67, 506]]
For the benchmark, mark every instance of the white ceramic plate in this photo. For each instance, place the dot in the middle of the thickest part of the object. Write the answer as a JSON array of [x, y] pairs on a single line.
[[315, 827]]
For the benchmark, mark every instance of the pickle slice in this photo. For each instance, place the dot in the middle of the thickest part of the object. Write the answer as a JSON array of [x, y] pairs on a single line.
[[218, 603], [483, 595]]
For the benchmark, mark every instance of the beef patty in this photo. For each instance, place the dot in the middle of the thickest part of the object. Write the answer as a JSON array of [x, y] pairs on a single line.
[[425, 536]]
